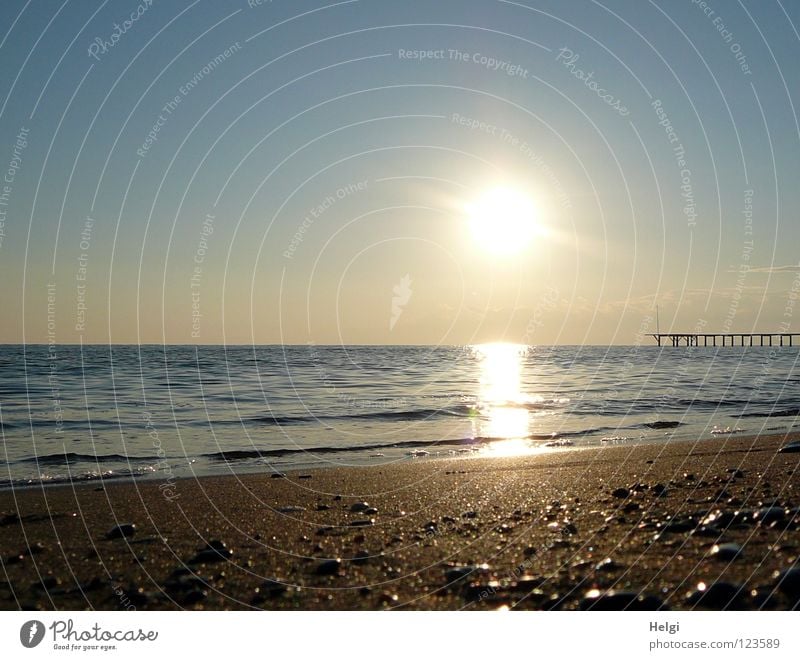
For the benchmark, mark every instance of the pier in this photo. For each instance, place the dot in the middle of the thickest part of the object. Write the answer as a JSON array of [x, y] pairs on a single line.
[[727, 339]]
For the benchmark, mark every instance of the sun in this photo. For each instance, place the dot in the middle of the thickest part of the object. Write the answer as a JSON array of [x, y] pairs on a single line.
[[503, 220]]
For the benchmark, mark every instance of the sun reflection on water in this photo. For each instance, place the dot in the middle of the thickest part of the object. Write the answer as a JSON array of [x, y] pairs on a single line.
[[502, 404]]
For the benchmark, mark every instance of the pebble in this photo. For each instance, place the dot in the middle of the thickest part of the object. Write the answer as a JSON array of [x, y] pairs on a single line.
[[621, 493], [125, 530], [615, 601], [791, 448], [371, 511], [387, 598], [291, 509], [277, 475], [185, 588], [361, 557], [679, 525], [214, 551], [46, 583], [608, 565], [721, 519], [489, 591], [329, 567], [569, 529], [9, 519], [717, 596], [271, 589], [363, 523], [765, 598], [322, 507], [460, 572], [788, 581], [139, 597], [359, 507], [769, 515], [33, 549], [727, 551]]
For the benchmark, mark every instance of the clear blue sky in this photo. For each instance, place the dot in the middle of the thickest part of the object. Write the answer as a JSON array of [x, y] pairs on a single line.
[[337, 166]]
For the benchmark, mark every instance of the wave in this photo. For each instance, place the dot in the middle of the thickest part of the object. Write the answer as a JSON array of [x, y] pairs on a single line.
[[790, 412], [383, 414], [70, 478], [249, 454], [387, 415], [66, 424], [73, 457]]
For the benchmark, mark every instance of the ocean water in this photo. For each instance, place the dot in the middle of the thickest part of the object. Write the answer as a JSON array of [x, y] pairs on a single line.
[[74, 413]]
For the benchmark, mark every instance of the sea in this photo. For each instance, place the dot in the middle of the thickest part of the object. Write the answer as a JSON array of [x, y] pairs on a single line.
[[73, 413]]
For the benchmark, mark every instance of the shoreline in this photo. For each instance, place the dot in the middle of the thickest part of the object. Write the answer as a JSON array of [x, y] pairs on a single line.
[[531, 532], [447, 449]]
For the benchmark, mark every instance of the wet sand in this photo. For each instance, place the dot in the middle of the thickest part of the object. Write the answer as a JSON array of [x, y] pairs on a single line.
[[615, 527]]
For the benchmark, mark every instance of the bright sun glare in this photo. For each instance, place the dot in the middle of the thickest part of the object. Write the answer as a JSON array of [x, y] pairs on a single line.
[[503, 220]]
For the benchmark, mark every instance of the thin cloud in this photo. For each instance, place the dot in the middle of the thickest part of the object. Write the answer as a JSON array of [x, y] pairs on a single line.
[[772, 269]]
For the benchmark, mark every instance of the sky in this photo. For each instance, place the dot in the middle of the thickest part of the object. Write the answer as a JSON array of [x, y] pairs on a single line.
[[397, 172]]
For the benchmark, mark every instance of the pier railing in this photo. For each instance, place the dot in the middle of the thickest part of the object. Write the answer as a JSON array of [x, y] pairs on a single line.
[[728, 339]]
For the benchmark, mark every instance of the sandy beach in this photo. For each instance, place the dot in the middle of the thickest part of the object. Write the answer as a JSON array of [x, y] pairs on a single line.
[[681, 525]]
